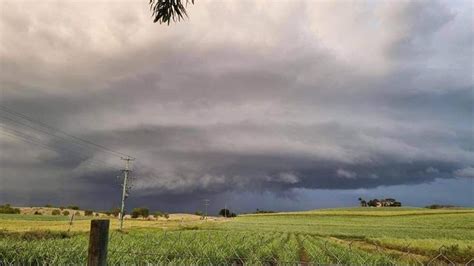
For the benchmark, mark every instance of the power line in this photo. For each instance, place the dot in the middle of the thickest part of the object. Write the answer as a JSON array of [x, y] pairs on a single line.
[[39, 141], [79, 151], [31, 120], [38, 126], [44, 128], [90, 162], [31, 127], [36, 141]]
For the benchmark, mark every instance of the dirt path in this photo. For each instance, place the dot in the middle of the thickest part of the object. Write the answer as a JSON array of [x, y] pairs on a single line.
[[303, 255], [371, 247]]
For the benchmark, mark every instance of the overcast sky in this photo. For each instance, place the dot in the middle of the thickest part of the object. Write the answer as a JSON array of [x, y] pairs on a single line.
[[283, 105]]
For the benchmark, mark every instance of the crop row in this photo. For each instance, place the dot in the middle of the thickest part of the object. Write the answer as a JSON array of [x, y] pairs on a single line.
[[193, 247]]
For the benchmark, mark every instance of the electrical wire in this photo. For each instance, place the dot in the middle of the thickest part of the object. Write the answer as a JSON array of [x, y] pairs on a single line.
[[44, 125]]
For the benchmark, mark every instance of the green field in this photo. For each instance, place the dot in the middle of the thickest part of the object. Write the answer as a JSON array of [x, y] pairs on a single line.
[[360, 236]]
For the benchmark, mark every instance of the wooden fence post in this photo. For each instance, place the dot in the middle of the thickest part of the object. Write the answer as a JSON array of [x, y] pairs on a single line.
[[98, 240]]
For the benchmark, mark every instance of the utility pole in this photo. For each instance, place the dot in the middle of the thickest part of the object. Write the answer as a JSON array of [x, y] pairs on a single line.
[[126, 171], [225, 210], [206, 203]]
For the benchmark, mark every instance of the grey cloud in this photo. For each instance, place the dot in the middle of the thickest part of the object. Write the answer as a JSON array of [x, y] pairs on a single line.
[[415, 23]]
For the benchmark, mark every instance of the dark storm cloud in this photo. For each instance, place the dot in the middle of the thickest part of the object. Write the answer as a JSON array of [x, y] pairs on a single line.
[[379, 95]]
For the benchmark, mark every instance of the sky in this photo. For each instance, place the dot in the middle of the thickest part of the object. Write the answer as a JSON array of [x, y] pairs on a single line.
[[278, 105]]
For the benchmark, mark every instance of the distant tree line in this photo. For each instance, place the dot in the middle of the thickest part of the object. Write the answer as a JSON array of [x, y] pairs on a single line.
[[145, 213], [263, 211], [157, 214], [227, 213], [72, 207], [7, 209], [440, 206], [389, 202], [113, 212]]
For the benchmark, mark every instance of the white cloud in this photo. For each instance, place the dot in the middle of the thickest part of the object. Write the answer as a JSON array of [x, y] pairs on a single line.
[[431, 170], [346, 174], [373, 176], [465, 172], [288, 178]]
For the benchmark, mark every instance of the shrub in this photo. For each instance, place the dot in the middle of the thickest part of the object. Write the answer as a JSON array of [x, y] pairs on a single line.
[[61, 208], [8, 209], [56, 212], [88, 213], [166, 215], [439, 206], [115, 211], [65, 213], [263, 211], [199, 213], [144, 212], [77, 214], [37, 213], [48, 205], [74, 207], [158, 214]]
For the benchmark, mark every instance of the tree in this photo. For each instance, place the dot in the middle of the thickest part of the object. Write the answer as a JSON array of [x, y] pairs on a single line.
[[65, 213], [165, 11], [373, 203], [115, 211], [8, 209], [224, 212], [56, 212], [263, 211], [227, 213], [363, 203], [144, 212], [88, 213]]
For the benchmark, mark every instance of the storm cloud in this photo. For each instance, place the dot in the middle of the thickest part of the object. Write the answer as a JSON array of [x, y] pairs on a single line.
[[243, 97]]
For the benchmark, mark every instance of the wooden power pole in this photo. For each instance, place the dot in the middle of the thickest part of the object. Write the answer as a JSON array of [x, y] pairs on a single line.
[[125, 188]]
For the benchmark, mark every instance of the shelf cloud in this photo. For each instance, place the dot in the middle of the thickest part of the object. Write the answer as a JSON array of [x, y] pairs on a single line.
[[242, 97]]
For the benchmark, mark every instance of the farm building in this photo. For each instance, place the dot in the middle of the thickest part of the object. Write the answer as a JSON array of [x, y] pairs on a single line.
[[388, 202]]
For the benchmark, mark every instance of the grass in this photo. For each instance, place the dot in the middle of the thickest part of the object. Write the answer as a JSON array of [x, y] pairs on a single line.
[[23, 223], [348, 236]]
